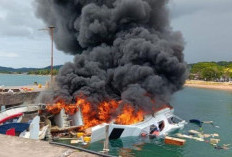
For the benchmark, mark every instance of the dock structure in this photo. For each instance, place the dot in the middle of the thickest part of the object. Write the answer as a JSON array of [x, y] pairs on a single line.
[[17, 95], [21, 147]]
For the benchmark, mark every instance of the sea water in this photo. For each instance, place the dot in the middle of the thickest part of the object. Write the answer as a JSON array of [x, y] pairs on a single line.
[[189, 103], [21, 79]]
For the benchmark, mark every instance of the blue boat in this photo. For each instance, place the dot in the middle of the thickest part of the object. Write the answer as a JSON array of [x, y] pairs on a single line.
[[19, 127]]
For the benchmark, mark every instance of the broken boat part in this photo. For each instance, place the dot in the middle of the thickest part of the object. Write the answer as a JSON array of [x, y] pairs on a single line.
[[174, 141]]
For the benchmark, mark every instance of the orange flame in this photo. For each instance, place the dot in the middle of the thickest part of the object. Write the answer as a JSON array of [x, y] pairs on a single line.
[[126, 117], [57, 107], [107, 109], [102, 113]]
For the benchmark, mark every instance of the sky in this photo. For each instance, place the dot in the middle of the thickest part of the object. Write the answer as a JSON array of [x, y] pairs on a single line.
[[206, 27]]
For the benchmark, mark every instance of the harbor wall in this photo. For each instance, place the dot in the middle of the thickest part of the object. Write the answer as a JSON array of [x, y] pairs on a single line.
[[7, 99]]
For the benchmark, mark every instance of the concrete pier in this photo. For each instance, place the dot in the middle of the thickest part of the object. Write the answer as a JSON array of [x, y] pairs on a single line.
[[19, 97], [21, 147]]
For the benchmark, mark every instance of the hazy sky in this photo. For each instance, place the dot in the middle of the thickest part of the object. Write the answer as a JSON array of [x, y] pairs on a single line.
[[206, 26]]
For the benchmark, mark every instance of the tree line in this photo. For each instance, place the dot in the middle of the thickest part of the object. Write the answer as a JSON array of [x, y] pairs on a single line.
[[211, 71], [43, 72]]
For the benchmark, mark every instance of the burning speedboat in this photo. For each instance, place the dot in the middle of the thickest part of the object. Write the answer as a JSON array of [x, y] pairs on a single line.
[[71, 120], [98, 125], [157, 125]]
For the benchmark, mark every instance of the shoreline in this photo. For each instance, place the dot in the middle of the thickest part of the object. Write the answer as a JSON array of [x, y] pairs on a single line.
[[24, 74], [226, 86]]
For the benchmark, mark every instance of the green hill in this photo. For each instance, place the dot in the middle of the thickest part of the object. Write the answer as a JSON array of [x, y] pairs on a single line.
[[27, 70]]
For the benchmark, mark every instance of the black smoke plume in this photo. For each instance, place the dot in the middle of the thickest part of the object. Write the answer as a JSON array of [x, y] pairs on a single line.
[[124, 49]]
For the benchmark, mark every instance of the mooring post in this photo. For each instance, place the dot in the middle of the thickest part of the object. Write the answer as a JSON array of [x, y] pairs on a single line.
[[2, 107], [106, 143]]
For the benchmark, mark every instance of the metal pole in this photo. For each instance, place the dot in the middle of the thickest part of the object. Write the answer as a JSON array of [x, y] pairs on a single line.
[[51, 29], [51, 55], [51, 32]]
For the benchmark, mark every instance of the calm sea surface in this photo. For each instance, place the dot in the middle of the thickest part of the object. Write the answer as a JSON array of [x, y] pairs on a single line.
[[190, 103], [21, 80]]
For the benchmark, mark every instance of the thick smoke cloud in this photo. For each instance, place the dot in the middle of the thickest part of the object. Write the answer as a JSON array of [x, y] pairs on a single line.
[[124, 49]]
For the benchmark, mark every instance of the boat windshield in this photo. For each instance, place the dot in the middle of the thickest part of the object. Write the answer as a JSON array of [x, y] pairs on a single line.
[[174, 120]]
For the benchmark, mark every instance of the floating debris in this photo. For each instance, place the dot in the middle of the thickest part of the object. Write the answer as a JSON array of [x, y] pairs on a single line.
[[207, 135], [215, 135], [222, 147], [174, 141], [226, 145], [184, 136], [194, 132], [214, 141], [196, 121], [76, 141], [199, 123], [207, 122], [198, 139]]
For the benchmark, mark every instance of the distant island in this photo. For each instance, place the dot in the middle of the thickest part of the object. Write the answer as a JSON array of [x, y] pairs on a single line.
[[30, 71], [205, 71]]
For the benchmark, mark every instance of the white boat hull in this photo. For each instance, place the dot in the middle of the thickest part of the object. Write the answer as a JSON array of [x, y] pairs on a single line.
[[143, 128]]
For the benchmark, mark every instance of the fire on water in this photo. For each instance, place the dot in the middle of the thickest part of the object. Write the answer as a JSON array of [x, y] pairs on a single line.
[[105, 112]]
